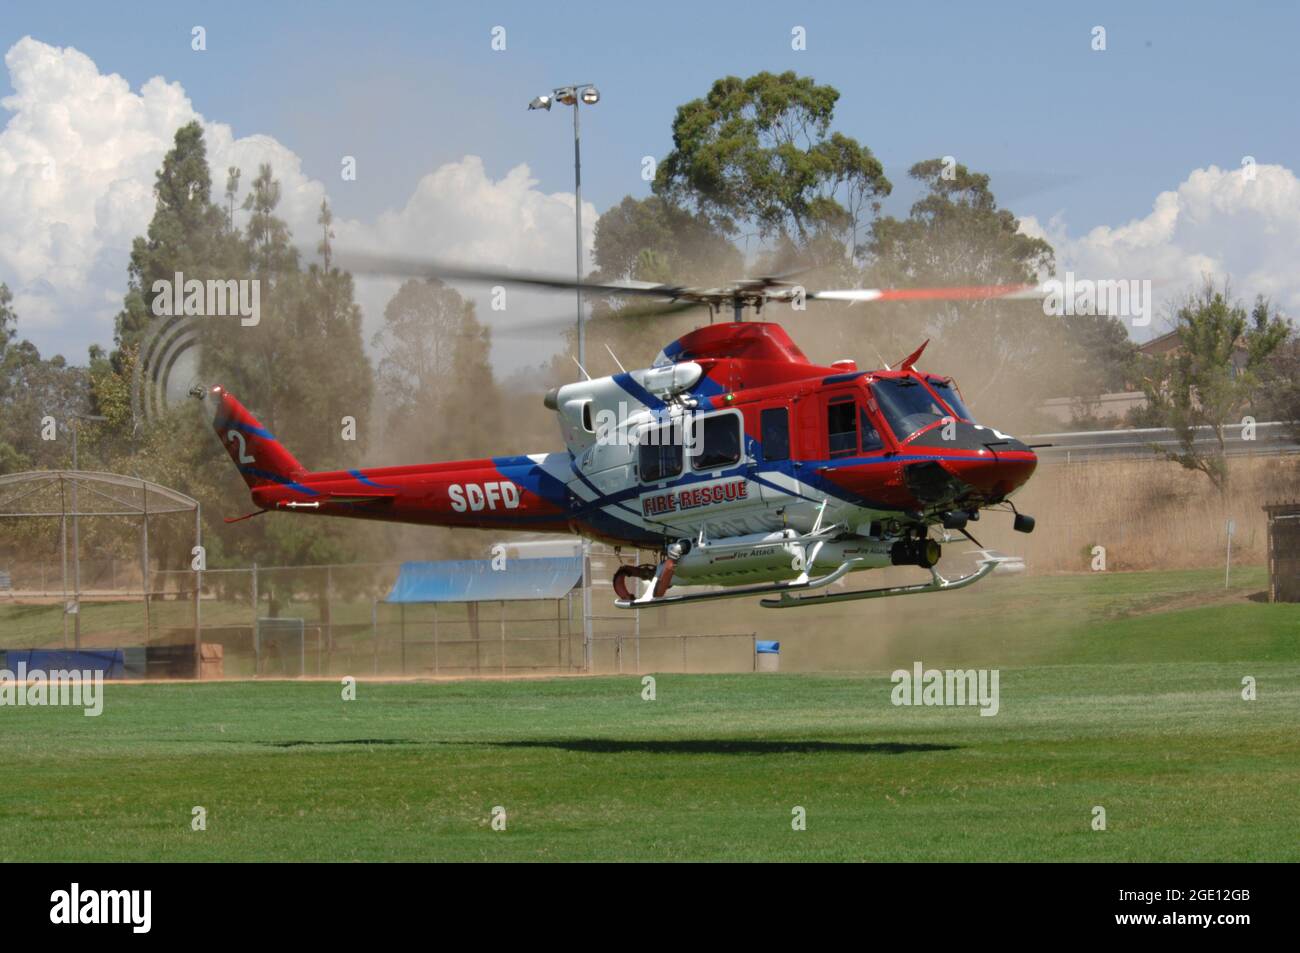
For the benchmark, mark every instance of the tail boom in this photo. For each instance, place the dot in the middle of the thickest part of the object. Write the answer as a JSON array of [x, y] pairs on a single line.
[[494, 492]]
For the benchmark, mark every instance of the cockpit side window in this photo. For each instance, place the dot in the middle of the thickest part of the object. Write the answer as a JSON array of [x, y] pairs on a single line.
[[871, 439]]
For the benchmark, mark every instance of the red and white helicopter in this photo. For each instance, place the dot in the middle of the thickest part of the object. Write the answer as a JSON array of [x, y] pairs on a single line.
[[743, 465]]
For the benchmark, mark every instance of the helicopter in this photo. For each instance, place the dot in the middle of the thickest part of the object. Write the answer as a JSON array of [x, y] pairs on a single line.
[[746, 468]]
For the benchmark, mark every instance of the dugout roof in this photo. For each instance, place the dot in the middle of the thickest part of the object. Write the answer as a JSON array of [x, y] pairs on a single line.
[[476, 580], [50, 492]]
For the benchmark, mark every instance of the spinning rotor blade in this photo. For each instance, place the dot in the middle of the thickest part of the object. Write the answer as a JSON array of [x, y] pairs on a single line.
[[685, 296], [369, 264], [556, 325], [967, 293], [744, 292], [646, 312]]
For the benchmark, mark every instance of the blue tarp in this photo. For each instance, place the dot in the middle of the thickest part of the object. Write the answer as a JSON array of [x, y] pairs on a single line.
[[112, 662], [767, 648], [475, 580]]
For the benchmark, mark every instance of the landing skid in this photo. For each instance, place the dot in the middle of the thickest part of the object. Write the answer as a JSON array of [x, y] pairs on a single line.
[[785, 600], [936, 584]]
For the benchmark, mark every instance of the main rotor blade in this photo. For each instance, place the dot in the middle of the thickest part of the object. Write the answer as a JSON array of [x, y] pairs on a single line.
[[645, 312], [372, 264], [963, 293], [542, 327], [746, 290]]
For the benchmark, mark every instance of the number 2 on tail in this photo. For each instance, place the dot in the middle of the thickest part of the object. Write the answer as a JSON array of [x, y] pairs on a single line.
[[234, 436]]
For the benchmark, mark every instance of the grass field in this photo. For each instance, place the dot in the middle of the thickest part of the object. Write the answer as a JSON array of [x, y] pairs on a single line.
[[1139, 712]]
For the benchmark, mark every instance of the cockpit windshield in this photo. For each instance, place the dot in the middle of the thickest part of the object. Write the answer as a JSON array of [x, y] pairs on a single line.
[[947, 391], [907, 405]]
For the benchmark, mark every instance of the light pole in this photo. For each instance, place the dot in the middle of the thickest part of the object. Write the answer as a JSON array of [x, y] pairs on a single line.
[[573, 96], [74, 417]]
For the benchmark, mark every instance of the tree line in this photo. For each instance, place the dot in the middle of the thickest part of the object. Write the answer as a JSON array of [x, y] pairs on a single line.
[[758, 181]]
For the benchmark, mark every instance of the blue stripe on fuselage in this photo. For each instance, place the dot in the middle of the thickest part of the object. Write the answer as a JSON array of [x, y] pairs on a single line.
[[246, 428], [276, 478], [635, 390], [705, 391], [362, 478], [534, 478]]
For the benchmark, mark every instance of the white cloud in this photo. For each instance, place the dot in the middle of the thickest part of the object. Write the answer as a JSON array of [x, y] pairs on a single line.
[[459, 214], [75, 178], [80, 148], [77, 162], [1217, 222]]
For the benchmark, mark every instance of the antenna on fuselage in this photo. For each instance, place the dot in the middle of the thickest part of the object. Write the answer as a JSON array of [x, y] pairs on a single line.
[[581, 368], [616, 360]]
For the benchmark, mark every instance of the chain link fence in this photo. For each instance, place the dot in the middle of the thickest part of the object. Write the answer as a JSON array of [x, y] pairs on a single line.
[[333, 620]]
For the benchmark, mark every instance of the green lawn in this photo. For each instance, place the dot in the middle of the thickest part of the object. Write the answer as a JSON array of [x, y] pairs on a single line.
[[711, 769], [1121, 691]]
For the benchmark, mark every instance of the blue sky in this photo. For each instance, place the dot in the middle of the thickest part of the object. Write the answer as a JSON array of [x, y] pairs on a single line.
[[1012, 89], [1009, 88]]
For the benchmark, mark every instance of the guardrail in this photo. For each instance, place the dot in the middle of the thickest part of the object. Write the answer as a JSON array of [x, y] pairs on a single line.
[[1272, 437]]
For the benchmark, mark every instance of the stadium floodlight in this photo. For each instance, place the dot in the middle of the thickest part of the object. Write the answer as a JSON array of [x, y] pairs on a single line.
[[575, 95], [578, 93]]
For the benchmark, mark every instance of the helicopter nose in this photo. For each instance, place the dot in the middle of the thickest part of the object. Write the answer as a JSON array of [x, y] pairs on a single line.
[[994, 475], [1005, 463], [1011, 470], [968, 459]]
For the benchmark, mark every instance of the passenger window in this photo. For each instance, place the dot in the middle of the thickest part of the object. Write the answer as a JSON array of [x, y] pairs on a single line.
[[842, 427], [775, 427], [716, 441], [659, 453]]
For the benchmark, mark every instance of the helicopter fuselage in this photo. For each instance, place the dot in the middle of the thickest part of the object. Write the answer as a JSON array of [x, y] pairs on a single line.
[[728, 456]]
